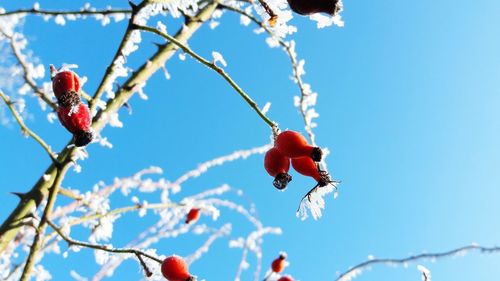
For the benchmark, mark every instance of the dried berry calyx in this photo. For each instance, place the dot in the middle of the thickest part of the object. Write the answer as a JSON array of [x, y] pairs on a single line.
[[83, 138], [308, 7], [69, 99], [281, 180]]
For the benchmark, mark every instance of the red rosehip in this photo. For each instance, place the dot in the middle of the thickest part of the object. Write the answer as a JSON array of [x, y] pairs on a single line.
[[174, 268], [277, 166], [193, 215], [64, 82], [279, 263], [307, 167], [292, 144], [286, 278], [307, 7], [77, 121]]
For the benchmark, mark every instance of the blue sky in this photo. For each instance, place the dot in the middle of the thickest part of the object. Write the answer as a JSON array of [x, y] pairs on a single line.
[[408, 98]]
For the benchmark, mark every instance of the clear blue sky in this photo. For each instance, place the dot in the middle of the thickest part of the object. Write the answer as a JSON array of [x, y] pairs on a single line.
[[409, 104]]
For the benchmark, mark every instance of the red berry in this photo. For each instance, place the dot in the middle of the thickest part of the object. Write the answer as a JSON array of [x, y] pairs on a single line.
[[65, 81], [77, 121], [292, 144], [277, 166], [307, 7], [193, 215], [279, 264], [174, 268], [307, 167], [286, 278]]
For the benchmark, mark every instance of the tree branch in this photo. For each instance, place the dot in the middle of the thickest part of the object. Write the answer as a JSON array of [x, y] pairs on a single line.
[[358, 269], [73, 242], [295, 66], [27, 78], [214, 67], [35, 247], [26, 130], [66, 13], [11, 225]]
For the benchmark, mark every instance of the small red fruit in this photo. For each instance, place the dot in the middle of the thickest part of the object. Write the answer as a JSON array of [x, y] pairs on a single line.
[[277, 166], [174, 268], [66, 83], [286, 278], [308, 7], [279, 263], [193, 215], [292, 144], [77, 121], [307, 167]]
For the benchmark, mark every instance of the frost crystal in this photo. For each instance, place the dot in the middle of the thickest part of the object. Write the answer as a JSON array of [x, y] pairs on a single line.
[[315, 202], [218, 58]]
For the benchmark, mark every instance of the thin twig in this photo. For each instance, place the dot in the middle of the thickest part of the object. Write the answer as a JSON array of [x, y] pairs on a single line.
[[356, 270], [295, 66], [26, 130], [29, 80], [66, 13], [214, 67], [73, 242]]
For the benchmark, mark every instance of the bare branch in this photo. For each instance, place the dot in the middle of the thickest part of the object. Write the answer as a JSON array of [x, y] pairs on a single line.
[[217, 69], [358, 269]]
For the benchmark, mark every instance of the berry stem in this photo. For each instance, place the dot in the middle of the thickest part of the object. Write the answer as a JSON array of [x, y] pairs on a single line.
[[214, 67]]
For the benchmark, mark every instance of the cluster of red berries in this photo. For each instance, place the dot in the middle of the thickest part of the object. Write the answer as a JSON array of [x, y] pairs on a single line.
[[308, 7], [277, 266], [174, 268], [73, 114], [291, 146]]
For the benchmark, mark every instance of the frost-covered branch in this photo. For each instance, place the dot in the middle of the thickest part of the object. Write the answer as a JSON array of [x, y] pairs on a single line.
[[203, 167], [81, 12], [223, 231], [40, 230], [73, 242], [27, 71], [358, 269], [307, 98], [26, 130], [217, 69], [10, 226]]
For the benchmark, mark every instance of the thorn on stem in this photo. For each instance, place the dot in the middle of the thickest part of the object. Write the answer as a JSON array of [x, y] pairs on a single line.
[[147, 271]]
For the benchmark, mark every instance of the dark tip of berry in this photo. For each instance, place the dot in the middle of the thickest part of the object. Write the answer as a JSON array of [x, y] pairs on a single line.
[[191, 278], [317, 154], [282, 256], [69, 99], [83, 138], [325, 179], [282, 180]]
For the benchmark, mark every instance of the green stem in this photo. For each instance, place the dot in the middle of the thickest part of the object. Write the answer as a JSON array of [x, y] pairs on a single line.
[[214, 67]]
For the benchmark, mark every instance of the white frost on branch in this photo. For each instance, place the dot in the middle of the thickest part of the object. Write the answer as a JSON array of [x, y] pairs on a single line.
[[217, 57], [426, 273]]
